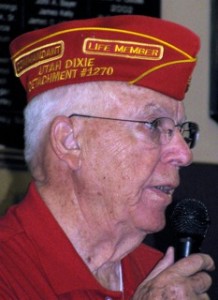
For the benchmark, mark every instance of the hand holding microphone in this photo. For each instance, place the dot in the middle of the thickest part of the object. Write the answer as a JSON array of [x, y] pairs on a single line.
[[187, 279]]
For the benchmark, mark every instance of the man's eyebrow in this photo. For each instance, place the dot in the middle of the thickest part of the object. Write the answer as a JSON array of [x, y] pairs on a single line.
[[156, 109], [152, 108]]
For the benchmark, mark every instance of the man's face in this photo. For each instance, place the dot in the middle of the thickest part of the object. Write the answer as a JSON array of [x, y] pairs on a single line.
[[127, 179]]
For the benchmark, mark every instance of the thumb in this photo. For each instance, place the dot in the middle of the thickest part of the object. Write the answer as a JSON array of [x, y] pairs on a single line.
[[165, 262]]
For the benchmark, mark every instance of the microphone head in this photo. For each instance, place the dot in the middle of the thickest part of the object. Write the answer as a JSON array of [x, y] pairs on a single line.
[[190, 218]]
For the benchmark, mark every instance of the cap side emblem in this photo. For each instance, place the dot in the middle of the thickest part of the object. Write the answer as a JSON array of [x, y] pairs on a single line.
[[127, 49], [38, 56]]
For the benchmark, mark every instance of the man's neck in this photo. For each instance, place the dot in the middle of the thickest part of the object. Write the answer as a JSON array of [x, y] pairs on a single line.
[[101, 247]]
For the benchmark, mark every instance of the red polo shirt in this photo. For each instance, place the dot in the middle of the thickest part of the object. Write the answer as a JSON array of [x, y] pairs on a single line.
[[37, 261]]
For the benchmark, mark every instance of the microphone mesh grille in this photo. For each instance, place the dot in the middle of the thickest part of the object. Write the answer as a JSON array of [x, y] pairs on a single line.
[[190, 217]]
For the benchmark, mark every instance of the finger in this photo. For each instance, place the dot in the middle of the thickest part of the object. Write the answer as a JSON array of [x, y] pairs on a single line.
[[165, 262], [201, 282], [204, 297], [194, 263]]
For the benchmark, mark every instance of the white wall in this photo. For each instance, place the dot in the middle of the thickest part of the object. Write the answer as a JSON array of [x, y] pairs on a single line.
[[13, 185], [195, 14]]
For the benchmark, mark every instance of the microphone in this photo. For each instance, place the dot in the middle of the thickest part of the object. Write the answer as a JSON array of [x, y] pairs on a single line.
[[189, 222]]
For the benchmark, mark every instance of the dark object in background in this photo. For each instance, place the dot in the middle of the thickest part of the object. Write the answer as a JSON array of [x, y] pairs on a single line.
[[214, 61]]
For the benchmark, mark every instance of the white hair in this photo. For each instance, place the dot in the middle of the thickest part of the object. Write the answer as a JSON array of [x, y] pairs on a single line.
[[82, 98]]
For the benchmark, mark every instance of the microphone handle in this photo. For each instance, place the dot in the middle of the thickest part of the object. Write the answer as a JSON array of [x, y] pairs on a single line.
[[185, 246]]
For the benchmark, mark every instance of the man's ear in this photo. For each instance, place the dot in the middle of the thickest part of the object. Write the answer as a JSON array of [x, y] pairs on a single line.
[[64, 141]]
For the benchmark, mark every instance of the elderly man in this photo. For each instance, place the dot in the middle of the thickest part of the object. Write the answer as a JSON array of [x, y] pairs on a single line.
[[106, 134]]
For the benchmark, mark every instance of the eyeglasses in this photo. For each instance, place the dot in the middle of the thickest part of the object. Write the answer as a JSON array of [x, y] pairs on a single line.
[[160, 130]]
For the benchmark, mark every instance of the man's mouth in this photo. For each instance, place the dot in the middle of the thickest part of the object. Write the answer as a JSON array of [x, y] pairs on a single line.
[[165, 189]]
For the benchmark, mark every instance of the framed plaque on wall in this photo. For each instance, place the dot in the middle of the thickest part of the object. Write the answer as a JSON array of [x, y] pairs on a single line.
[[20, 16]]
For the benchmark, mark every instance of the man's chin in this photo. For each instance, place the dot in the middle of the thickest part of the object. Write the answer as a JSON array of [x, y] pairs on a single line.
[[158, 227]]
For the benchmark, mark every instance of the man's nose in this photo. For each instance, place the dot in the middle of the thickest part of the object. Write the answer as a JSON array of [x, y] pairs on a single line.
[[177, 151]]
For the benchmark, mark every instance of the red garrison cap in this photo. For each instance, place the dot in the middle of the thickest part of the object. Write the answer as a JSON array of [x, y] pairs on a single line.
[[140, 50]]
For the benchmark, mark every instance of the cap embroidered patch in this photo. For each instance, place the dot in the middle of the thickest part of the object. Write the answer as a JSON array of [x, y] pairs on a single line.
[[140, 50], [38, 56], [122, 49]]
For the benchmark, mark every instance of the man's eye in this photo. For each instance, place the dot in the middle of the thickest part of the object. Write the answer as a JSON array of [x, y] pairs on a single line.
[[151, 126], [156, 124]]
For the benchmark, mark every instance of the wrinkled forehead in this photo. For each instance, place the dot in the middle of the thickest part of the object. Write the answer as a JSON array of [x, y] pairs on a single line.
[[123, 98], [148, 102]]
